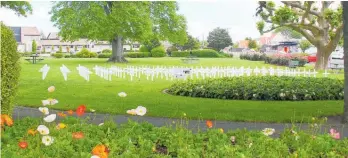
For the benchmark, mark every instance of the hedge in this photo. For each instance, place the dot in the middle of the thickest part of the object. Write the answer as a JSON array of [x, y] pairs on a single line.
[[58, 55], [106, 51], [262, 88], [137, 54], [158, 52], [204, 53], [104, 55], [85, 53], [10, 69], [253, 56], [144, 140]]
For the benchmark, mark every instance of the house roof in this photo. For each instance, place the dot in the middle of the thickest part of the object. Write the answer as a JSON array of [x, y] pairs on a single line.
[[30, 31], [53, 35]]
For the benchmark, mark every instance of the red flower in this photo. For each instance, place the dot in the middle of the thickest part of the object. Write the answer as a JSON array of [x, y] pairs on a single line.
[[23, 144], [78, 135], [80, 110], [209, 124]]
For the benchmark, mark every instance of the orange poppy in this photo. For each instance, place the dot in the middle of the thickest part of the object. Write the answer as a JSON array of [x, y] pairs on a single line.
[[70, 112], [80, 110], [2, 122], [61, 114], [100, 150], [32, 132], [23, 144], [7, 119], [77, 135], [209, 124]]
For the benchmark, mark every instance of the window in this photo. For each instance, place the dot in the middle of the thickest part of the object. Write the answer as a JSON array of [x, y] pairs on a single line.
[[124, 49], [71, 46]]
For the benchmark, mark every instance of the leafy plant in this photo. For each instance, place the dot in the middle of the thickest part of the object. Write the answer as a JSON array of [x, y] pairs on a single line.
[[158, 52]]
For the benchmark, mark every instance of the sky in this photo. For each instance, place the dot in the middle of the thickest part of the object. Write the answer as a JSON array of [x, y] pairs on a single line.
[[202, 16]]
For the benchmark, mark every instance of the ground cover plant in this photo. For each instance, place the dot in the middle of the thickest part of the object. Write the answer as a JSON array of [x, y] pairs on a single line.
[[102, 95], [262, 88]]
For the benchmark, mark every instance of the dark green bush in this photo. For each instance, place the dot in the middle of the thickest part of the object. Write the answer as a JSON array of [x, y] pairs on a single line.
[[158, 52], [58, 55], [171, 49], [137, 54], [93, 55], [262, 88], [10, 69], [204, 53], [143, 49], [106, 51], [104, 55]]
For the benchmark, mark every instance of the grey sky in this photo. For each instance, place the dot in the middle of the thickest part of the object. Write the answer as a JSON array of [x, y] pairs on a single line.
[[202, 16]]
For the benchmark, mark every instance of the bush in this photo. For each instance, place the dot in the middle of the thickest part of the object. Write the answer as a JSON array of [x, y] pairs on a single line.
[[262, 88], [283, 59], [104, 55], [106, 51], [158, 52], [137, 54], [171, 49], [252, 56], [85, 53], [93, 55], [225, 55], [134, 139], [10, 69], [143, 49], [204, 53], [58, 55]]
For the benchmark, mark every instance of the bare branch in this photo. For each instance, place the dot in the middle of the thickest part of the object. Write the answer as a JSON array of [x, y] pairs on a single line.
[[309, 37], [299, 6]]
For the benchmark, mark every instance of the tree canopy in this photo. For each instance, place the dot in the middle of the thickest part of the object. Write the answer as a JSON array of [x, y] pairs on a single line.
[[219, 39], [304, 45], [252, 44], [192, 43], [319, 22], [19, 7]]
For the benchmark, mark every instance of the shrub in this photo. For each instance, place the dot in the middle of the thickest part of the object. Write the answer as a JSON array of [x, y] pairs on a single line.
[[204, 53], [252, 56], [143, 49], [106, 51], [262, 88], [171, 49], [67, 56], [85, 53], [104, 55], [10, 69], [158, 52], [137, 54], [225, 55], [93, 55], [283, 59], [58, 55]]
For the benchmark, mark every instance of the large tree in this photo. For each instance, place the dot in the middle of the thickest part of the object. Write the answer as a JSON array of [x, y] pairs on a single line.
[[318, 22], [192, 43], [288, 33], [219, 39], [19, 7], [345, 21], [119, 21]]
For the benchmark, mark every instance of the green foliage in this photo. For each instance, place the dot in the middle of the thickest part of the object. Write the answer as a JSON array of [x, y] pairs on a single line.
[[60, 49], [260, 26], [252, 44], [10, 69], [219, 39], [106, 51], [171, 49], [204, 53], [143, 49], [134, 139], [151, 44], [44, 49], [104, 55], [137, 54], [252, 56], [158, 52], [85, 53], [19, 7], [235, 45], [304, 45], [58, 55], [284, 15], [262, 88], [288, 32], [75, 48], [33, 46], [191, 44]]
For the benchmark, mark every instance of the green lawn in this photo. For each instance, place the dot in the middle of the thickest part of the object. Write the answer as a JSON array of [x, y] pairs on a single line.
[[101, 95]]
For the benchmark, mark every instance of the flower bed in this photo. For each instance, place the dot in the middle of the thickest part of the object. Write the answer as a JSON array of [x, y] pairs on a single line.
[[283, 59], [262, 88], [252, 56]]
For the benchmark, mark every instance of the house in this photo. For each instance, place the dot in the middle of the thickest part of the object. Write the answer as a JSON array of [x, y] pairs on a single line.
[[25, 36]]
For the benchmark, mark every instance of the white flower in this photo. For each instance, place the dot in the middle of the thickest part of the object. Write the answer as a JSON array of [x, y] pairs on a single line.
[[50, 118], [140, 110], [44, 110], [100, 124], [122, 94], [254, 95], [281, 94], [47, 140], [49, 102], [95, 156], [268, 131], [43, 130], [92, 110], [54, 101], [51, 89], [45, 102]]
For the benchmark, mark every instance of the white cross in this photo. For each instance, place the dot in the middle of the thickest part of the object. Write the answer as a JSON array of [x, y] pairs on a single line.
[[64, 70], [44, 71]]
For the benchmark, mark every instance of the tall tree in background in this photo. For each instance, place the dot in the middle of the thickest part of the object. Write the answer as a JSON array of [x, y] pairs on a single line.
[[316, 21], [192, 43], [118, 21], [33, 46], [345, 30], [252, 44], [19, 7], [304, 45], [219, 39]]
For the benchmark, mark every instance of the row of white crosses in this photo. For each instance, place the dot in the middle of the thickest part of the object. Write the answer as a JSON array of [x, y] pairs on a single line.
[[103, 72], [84, 72], [44, 70]]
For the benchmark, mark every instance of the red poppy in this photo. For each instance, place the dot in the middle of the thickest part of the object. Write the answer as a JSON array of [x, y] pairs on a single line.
[[209, 124], [77, 135], [80, 110], [23, 144]]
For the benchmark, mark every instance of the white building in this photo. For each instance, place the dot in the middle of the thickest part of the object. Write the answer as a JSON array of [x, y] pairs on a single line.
[[25, 36]]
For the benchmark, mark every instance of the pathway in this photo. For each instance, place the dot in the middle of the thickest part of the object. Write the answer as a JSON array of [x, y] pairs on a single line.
[[95, 118]]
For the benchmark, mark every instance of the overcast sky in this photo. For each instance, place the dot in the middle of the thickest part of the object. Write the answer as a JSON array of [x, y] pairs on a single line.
[[202, 16]]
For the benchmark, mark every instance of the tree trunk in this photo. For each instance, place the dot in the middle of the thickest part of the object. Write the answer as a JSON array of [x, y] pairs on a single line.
[[117, 51], [345, 36], [322, 58]]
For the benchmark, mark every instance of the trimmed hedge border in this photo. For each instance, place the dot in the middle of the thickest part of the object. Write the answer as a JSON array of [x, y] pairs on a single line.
[[205, 53], [262, 88]]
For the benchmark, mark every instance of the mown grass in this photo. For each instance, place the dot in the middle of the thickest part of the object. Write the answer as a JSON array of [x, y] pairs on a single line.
[[101, 95]]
